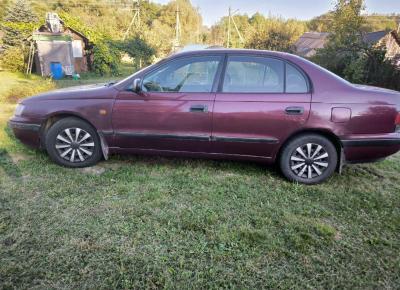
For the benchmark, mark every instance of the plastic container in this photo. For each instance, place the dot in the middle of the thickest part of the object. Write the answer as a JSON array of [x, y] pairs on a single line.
[[56, 70]]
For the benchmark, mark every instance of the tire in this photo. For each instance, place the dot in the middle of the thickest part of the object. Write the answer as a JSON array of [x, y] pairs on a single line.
[[72, 142], [307, 164]]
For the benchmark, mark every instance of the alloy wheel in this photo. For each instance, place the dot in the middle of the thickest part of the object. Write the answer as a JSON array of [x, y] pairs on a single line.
[[75, 145], [309, 161]]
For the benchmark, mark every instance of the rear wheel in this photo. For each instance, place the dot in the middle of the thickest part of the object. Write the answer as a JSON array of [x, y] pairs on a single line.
[[72, 142], [309, 159]]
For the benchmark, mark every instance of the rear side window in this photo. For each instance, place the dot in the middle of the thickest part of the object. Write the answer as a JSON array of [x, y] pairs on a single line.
[[254, 75], [295, 80]]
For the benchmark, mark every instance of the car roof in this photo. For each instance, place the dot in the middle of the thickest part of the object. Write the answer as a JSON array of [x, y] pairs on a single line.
[[249, 52]]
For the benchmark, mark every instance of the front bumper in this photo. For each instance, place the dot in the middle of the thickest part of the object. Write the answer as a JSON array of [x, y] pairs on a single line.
[[27, 133], [368, 148]]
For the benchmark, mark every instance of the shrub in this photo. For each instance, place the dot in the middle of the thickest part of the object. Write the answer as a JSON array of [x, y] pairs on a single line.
[[106, 58], [12, 59], [138, 49]]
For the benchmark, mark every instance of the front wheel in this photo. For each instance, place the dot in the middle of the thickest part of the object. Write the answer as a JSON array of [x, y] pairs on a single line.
[[71, 142], [309, 159]]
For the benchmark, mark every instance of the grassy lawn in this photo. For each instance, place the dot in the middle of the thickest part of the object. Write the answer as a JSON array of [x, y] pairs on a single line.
[[153, 222], [15, 86]]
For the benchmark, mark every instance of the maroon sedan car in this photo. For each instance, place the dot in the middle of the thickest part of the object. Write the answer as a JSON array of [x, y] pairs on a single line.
[[230, 104]]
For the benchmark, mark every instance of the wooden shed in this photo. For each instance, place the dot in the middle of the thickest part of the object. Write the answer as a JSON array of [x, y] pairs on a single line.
[[56, 43]]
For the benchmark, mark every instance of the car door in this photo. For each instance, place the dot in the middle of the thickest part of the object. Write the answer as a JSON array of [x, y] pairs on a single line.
[[173, 110], [261, 101]]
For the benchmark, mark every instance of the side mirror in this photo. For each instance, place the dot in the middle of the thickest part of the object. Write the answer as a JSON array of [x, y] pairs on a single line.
[[137, 86]]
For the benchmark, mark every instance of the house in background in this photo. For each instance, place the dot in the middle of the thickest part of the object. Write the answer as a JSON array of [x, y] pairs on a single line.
[[390, 40], [310, 42], [54, 43]]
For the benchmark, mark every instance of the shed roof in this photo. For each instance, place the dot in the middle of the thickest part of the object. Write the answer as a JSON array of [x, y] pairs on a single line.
[[48, 36], [375, 37]]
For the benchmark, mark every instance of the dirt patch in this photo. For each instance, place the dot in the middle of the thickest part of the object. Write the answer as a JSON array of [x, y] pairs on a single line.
[[94, 170], [338, 236], [112, 165], [18, 157]]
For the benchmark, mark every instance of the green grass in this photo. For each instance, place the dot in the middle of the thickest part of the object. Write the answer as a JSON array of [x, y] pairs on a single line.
[[152, 222], [16, 86], [91, 78]]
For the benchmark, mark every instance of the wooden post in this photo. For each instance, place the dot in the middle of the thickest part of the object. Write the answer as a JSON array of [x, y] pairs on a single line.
[[30, 58], [229, 28]]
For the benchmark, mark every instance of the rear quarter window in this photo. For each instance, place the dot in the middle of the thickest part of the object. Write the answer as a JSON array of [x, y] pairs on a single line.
[[296, 81]]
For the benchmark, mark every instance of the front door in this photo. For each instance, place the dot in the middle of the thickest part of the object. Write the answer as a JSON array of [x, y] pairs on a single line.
[[263, 100], [173, 111]]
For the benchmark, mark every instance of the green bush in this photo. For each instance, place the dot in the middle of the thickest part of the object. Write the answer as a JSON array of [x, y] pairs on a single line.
[[106, 59], [138, 49], [12, 59]]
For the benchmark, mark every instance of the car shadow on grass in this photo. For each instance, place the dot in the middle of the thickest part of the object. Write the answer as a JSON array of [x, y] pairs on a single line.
[[208, 164]]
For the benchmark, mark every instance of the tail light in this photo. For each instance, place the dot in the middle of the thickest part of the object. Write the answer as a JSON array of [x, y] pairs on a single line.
[[397, 122]]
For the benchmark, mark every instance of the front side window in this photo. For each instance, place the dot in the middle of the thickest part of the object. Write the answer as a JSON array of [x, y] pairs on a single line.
[[188, 75], [254, 75]]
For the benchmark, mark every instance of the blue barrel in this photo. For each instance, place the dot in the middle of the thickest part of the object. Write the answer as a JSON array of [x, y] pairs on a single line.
[[56, 70]]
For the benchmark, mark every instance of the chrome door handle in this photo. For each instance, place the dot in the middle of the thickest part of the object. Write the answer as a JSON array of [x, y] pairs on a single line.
[[199, 109], [294, 110]]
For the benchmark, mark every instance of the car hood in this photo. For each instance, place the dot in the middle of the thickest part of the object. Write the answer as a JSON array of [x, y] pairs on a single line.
[[94, 91]]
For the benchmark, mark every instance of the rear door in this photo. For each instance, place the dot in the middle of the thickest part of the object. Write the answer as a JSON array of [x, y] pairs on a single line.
[[262, 100], [173, 111]]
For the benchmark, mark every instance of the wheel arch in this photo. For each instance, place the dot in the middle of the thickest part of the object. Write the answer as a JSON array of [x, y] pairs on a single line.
[[323, 132], [53, 118]]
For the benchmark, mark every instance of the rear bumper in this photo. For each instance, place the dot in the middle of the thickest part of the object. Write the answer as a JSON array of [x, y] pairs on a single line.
[[27, 133], [370, 148]]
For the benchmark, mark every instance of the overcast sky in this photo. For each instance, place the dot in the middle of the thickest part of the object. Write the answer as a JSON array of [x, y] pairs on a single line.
[[213, 10]]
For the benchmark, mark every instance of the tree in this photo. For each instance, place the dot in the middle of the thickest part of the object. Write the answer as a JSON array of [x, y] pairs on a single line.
[[3, 8], [274, 33], [350, 56], [190, 19], [373, 22], [138, 49], [348, 23], [272, 39], [18, 23], [346, 38]]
